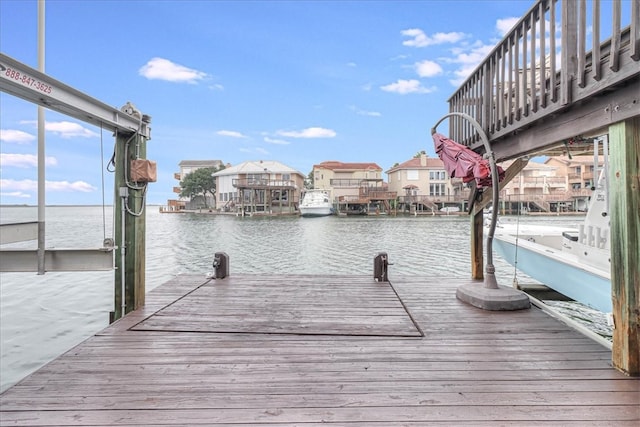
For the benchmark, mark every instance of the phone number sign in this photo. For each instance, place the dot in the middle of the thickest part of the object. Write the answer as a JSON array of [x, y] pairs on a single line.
[[26, 80]]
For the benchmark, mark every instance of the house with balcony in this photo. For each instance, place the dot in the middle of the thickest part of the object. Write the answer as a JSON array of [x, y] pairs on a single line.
[[356, 188], [424, 186], [559, 184], [579, 170], [184, 203], [263, 187]]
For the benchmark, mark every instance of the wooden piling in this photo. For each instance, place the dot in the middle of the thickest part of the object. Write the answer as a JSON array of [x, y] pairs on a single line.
[[130, 238], [477, 257], [624, 206]]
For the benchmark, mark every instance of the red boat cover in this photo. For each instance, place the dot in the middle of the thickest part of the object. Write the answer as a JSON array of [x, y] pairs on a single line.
[[462, 162]]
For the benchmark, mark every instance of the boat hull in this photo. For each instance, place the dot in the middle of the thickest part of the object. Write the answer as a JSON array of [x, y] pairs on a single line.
[[558, 270], [315, 211]]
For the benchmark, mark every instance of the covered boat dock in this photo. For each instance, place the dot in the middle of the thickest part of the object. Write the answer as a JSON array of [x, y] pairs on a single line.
[[354, 351]]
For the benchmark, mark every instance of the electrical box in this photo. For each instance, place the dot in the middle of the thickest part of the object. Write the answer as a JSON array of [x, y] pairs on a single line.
[[143, 170]]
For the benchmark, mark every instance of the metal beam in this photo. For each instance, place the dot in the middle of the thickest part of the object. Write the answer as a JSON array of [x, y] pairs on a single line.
[[25, 260], [24, 82], [18, 232]]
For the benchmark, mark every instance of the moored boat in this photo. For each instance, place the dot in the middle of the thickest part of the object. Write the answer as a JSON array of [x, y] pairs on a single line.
[[575, 262], [316, 203]]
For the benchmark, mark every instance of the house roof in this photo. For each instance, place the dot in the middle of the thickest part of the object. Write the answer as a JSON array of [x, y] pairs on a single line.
[[260, 166], [531, 165], [415, 163], [575, 160], [336, 165]]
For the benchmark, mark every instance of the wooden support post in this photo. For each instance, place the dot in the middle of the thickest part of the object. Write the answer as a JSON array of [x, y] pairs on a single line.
[[130, 228], [477, 254], [477, 219], [624, 207]]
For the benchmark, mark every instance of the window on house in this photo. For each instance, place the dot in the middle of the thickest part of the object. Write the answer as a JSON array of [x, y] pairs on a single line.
[[437, 175], [286, 177], [436, 189], [413, 175]]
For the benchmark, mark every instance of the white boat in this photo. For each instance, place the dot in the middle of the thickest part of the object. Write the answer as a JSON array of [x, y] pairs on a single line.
[[316, 203], [574, 262]]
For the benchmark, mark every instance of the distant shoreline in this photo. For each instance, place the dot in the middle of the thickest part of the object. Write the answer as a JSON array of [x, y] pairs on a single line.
[[62, 206]]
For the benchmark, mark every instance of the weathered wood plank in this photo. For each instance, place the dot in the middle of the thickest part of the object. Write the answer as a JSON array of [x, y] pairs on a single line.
[[203, 398], [269, 414]]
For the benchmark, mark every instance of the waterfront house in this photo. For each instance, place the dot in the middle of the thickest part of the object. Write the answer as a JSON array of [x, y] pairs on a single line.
[[185, 203], [423, 185], [579, 170], [356, 187], [259, 187], [560, 184], [537, 188]]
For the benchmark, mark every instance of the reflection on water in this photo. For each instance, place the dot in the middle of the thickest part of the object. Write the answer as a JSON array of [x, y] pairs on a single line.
[[43, 316]]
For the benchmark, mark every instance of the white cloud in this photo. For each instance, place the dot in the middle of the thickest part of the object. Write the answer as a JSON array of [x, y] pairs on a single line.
[[404, 87], [24, 160], [65, 129], [61, 186], [364, 112], [258, 150], [69, 130], [231, 133], [163, 69], [399, 57], [15, 136], [276, 141], [468, 59], [504, 25], [313, 132], [18, 194], [420, 39], [428, 68]]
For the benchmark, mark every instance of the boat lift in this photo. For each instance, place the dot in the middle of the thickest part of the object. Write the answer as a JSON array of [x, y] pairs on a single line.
[[129, 127]]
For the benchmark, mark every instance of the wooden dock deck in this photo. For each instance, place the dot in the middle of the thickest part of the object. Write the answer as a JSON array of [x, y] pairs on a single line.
[[265, 350]]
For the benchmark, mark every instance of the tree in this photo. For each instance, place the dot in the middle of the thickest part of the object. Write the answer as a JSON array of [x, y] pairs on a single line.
[[419, 153], [308, 181], [199, 183]]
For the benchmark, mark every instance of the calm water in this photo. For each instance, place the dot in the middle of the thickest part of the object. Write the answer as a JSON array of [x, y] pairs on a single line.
[[44, 316]]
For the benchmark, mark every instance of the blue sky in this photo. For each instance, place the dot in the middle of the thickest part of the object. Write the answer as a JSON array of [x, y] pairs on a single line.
[[299, 82]]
